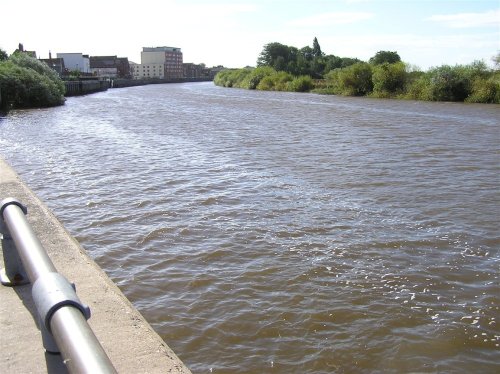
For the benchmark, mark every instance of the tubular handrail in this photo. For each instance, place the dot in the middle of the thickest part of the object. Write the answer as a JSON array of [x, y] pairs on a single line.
[[63, 317]]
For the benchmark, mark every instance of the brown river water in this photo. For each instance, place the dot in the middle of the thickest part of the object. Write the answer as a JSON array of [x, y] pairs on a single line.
[[266, 232]]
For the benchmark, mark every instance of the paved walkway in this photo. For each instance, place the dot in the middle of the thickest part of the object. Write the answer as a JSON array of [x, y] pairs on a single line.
[[127, 338]]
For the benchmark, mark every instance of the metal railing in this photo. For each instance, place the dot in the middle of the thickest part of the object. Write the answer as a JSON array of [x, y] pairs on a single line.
[[62, 316]]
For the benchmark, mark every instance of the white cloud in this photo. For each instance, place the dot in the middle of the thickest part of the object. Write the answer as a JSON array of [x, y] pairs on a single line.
[[466, 20], [325, 19]]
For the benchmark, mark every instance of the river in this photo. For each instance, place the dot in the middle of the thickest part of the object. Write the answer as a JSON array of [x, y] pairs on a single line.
[[268, 232]]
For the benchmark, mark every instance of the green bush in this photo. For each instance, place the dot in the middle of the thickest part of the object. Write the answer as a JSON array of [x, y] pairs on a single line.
[[447, 84], [25, 61], [354, 80], [267, 83], [303, 83], [231, 78], [278, 81], [253, 79], [26, 83], [453, 83], [420, 88], [485, 90], [389, 80], [331, 85]]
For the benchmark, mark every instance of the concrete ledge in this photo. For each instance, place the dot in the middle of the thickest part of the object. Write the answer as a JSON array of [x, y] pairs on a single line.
[[128, 339]]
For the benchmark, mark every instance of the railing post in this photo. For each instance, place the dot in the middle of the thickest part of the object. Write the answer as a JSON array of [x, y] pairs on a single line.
[[13, 273], [63, 317]]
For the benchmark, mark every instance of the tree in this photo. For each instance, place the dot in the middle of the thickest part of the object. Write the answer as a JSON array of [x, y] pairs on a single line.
[[307, 52], [385, 57], [316, 49], [332, 62], [3, 55], [278, 56], [496, 61], [302, 64], [348, 61]]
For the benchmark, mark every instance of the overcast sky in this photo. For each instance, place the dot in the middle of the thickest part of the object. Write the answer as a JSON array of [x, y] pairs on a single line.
[[233, 32]]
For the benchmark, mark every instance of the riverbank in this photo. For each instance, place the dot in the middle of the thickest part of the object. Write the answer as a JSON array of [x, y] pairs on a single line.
[[125, 335], [473, 83]]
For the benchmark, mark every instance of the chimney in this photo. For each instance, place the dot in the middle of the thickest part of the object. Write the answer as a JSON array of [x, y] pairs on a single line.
[[21, 48], [50, 55]]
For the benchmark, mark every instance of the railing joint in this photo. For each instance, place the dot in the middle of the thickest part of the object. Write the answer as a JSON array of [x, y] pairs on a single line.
[[12, 201]]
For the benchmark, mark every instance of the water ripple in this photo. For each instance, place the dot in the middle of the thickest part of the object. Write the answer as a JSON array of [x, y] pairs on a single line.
[[279, 232]]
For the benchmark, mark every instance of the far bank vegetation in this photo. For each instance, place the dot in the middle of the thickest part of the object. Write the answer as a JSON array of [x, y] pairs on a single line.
[[284, 68]]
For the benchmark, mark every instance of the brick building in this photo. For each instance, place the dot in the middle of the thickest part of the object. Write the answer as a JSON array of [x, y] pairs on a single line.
[[159, 62], [110, 66]]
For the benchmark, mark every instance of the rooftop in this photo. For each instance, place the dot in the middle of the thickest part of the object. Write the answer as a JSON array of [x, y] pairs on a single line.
[[161, 49]]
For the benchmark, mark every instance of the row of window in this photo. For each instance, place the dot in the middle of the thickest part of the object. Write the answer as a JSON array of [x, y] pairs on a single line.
[[149, 75]]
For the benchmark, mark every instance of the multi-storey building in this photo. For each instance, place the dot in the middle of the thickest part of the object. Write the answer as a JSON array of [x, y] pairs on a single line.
[[159, 62]]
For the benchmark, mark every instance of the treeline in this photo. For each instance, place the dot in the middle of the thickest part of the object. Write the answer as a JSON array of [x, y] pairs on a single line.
[[26, 82], [284, 68]]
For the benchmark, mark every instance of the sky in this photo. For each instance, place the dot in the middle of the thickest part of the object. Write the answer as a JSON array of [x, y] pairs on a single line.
[[232, 33]]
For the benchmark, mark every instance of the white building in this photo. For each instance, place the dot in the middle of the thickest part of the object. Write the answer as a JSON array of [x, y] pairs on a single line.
[[141, 71], [75, 62]]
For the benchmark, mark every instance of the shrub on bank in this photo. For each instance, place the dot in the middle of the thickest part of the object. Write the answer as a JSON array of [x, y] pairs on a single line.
[[354, 80], [303, 83], [231, 78], [252, 80], [469, 83], [26, 82], [26, 61], [389, 80], [420, 88], [278, 81], [263, 78], [485, 90]]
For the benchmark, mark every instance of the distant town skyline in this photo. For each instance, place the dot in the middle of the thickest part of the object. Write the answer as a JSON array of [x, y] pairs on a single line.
[[425, 33]]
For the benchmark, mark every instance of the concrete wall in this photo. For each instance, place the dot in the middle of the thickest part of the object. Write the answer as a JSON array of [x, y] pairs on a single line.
[[127, 338], [80, 87]]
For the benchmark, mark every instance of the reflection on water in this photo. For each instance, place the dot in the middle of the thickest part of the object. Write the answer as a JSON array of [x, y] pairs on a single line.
[[279, 232]]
